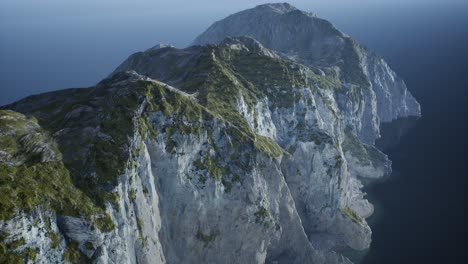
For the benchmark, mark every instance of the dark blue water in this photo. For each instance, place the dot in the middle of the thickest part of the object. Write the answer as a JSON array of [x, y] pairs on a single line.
[[421, 211]]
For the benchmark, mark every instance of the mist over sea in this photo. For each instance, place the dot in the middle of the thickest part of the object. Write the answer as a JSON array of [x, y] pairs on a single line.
[[50, 45]]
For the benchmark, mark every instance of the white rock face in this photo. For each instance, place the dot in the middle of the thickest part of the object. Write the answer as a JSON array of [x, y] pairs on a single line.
[[259, 118], [289, 209], [34, 230], [136, 239], [393, 98], [160, 46], [304, 38], [186, 220]]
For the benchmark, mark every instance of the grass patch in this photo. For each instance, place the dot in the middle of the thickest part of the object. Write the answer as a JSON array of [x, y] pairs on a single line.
[[54, 238], [140, 223], [105, 223], [73, 254], [206, 238], [261, 214], [268, 146], [132, 194], [351, 214], [49, 184]]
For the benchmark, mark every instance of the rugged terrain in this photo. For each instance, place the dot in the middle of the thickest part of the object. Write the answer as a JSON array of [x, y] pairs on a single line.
[[248, 147]]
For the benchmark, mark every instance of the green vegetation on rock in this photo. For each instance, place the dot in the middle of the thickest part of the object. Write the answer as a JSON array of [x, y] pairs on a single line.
[[11, 253], [22, 140], [31, 183], [351, 214], [206, 239], [145, 128], [54, 238], [52, 187], [73, 254], [104, 223], [140, 223], [132, 194], [261, 214], [31, 254], [89, 246], [7, 250], [268, 145], [211, 165]]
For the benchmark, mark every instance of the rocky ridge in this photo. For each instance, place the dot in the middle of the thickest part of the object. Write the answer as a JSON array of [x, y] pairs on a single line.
[[237, 152]]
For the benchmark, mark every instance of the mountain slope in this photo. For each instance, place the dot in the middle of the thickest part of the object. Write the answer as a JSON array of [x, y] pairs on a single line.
[[304, 38], [172, 144], [226, 153], [35, 184]]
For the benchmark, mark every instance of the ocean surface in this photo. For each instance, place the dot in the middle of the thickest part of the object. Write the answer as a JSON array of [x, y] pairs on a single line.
[[421, 212], [422, 208]]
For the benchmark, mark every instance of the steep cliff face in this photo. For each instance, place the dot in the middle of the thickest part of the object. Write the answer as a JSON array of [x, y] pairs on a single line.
[[302, 37], [227, 153], [182, 184], [35, 187]]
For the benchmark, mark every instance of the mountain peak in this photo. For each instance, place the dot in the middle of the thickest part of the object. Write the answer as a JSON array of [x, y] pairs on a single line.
[[283, 28], [278, 7], [160, 46]]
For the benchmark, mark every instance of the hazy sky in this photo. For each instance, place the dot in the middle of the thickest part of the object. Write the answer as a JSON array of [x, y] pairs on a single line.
[[54, 44]]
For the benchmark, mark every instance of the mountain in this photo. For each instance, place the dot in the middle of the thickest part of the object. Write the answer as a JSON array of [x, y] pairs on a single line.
[[245, 150], [302, 37]]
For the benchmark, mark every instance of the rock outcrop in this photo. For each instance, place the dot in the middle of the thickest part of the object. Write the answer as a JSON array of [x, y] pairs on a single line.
[[249, 150]]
